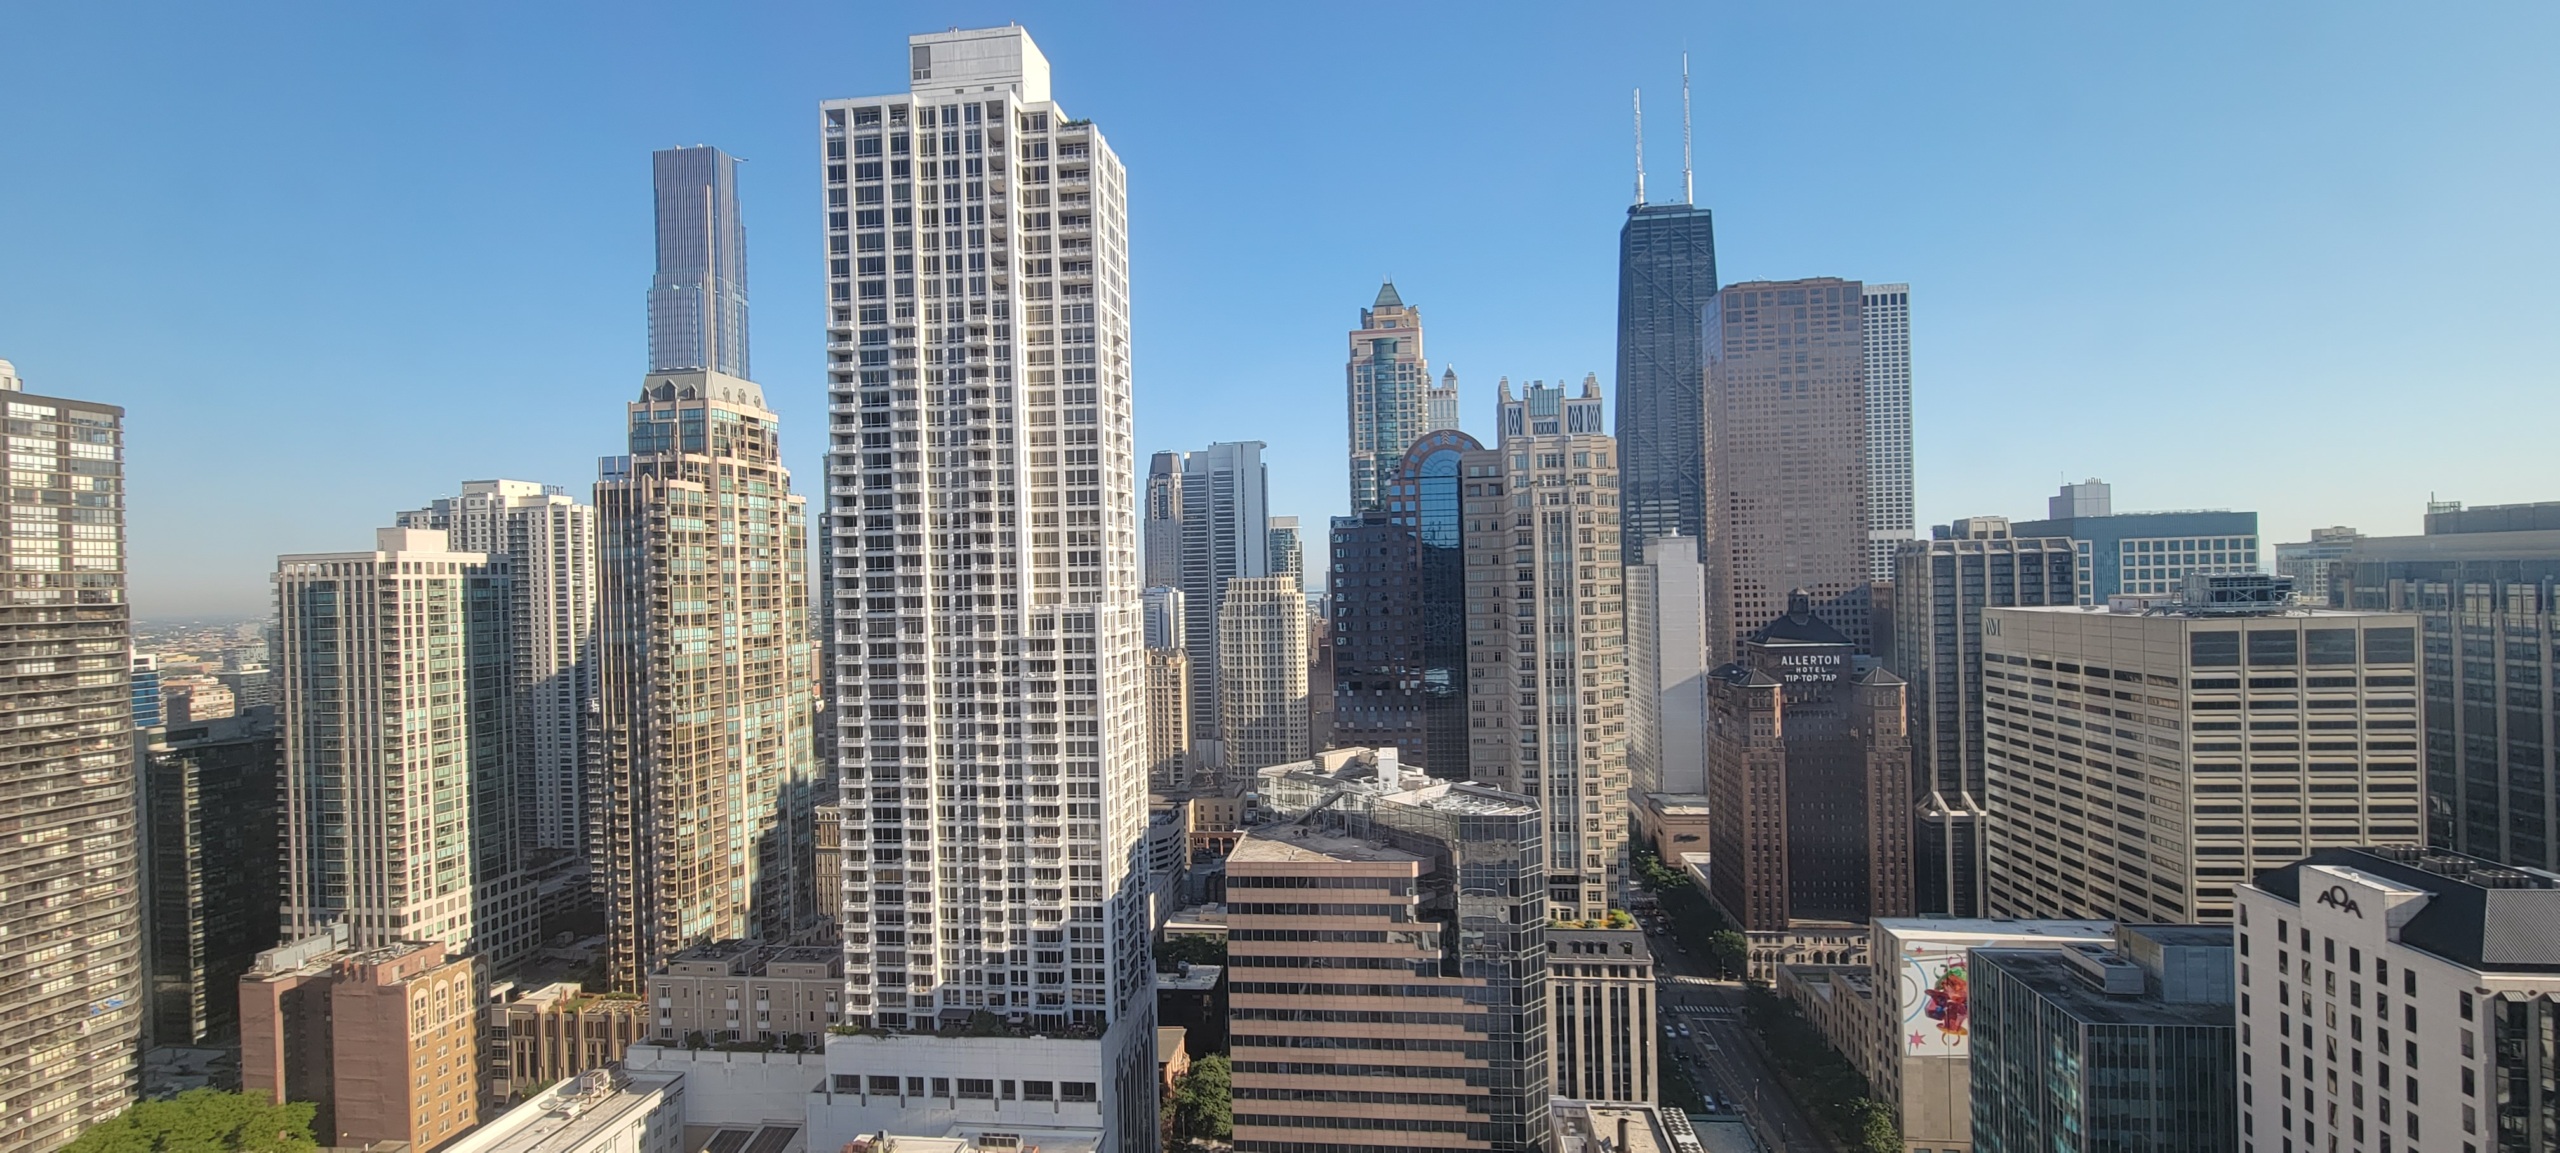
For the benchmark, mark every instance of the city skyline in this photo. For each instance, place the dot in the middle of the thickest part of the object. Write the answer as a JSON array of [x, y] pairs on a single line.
[[2061, 180]]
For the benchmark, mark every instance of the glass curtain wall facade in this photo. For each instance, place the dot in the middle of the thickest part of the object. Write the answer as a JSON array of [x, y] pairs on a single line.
[[1666, 273], [2488, 606], [1399, 613], [698, 302]]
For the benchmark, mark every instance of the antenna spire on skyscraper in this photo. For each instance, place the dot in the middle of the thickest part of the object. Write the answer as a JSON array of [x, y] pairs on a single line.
[[1688, 183], [1639, 147]]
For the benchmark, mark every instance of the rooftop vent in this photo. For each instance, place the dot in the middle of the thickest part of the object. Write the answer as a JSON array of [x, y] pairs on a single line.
[[2106, 972]]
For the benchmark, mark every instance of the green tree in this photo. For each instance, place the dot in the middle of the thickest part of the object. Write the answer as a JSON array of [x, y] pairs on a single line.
[[1200, 1100], [1196, 950], [1731, 950], [203, 1121], [1871, 1127]]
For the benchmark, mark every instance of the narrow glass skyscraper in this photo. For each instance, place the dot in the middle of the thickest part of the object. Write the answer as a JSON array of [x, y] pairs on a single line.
[[698, 301]]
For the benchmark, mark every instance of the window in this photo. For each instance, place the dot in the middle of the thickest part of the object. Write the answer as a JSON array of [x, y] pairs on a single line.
[[2329, 646], [1081, 1092], [2390, 646], [2272, 648], [2214, 649], [976, 1088]]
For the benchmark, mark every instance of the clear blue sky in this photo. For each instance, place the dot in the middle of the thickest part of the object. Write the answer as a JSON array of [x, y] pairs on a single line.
[[336, 258]]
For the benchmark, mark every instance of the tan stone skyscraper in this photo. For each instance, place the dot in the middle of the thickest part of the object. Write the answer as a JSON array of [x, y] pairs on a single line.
[[1168, 719], [709, 783], [1262, 674], [1390, 392], [1786, 457], [1546, 633]]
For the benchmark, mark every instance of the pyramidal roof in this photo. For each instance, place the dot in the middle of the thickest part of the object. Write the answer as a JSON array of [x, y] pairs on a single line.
[[1387, 297]]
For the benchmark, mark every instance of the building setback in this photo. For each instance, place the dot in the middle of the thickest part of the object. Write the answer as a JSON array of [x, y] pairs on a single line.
[[71, 940], [1940, 589], [708, 784], [209, 796], [1786, 405], [2485, 584], [1546, 633], [1387, 963], [2431, 1022], [984, 564], [2138, 765]]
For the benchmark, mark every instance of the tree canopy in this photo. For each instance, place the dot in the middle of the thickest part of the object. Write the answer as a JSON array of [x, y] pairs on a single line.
[[203, 1121]]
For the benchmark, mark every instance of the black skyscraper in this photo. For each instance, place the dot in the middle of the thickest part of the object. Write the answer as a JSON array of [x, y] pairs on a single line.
[[1666, 273]]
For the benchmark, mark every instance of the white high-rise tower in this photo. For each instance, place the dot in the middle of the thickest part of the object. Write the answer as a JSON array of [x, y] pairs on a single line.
[[1887, 324], [986, 657]]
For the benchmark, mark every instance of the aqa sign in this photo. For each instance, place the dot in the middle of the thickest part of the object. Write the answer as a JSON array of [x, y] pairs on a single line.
[[2337, 897]]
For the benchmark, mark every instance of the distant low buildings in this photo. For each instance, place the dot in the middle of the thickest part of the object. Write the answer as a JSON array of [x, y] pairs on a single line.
[[2144, 553]]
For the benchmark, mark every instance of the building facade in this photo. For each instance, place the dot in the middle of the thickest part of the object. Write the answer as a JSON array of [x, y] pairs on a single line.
[[539, 1036], [2432, 1022], [746, 991], [1546, 633], [2485, 585], [386, 1041], [993, 540], [2142, 553], [1809, 830], [1387, 963], [2236, 737], [397, 701], [708, 782], [1916, 1048], [72, 1012], [2308, 562], [1389, 387], [1225, 535], [1940, 589], [1164, 617], [1886, 314], [1666, 274], [1168, 719], [1786, 421], [1601, 1040], [698, 300], [1288, 550], [547, 539], [209, 801], [1442, 404], [1667, 668], [1398, 598], [2082, 1048], [1262, 681]]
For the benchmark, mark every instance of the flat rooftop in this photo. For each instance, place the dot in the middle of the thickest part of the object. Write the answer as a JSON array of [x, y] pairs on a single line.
[[2060, 982], [1301, 843], [565, 1117], [1977, 928]]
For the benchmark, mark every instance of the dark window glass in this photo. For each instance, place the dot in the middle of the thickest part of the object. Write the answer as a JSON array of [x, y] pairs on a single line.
[[2213, 650], [2390, 646], [2271, 648], [2329, 646]]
